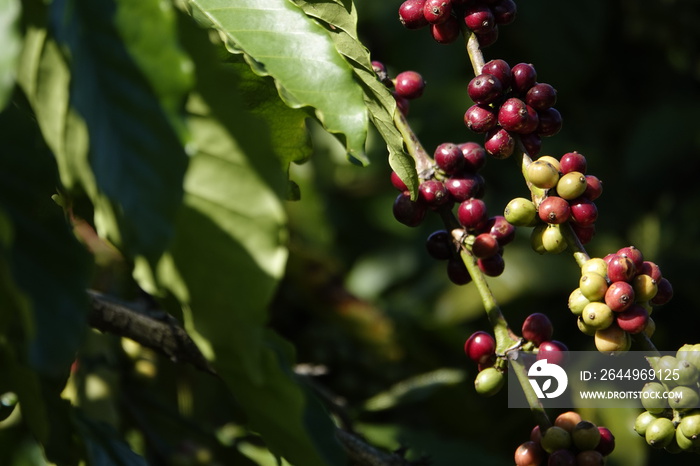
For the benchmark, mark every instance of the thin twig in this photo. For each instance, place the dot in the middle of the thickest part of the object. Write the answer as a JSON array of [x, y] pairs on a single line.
[[157, 330]]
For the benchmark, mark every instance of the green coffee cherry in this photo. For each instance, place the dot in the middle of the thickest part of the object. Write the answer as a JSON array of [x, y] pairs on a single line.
[[555, 438], [585, 436], [687, 373], [597, 315], [643, 421], [660, 433], [645, 287], [571, 185], [577, 301], [536, 238], [542, 174], [489, 381], [597, 265], [593, 286], [521, 212], [612, 340], [552, 240], [683, 398], [667, 369], [653, 398], [584, 328], [690, 425], [690, 353], [684, 443]]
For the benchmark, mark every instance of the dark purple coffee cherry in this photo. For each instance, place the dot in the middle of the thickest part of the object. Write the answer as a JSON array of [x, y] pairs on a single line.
[[492, 266], [409, 85], [411, 14], [408, 212], [397, 182], [474, 156], [499, 143], [500, 69], [532, 143], [479, 18], [594, 188], [457, 272], [501, 229], [607, 441], [484, 88], [504, 11], [437, 11], [584, 233], [472, 214], [554, 209], [449, 157], [480, 118], [633, 320], [446, 32], [514, 115], [537, 328], [464, 186], [541, 96], [480, 347], [439, 245], [555, 352], [583, 211], [402, 103], [485, 245], [488, 38], [573, 162], [550, 122], [524, 77], [433, 193], [663, 294]]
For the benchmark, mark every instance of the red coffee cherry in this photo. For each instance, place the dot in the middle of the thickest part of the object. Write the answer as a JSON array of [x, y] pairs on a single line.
[[480, 347], [537, 328]]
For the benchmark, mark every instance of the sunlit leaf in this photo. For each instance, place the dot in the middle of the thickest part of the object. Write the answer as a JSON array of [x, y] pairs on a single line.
[[10, 49], [281, 41]]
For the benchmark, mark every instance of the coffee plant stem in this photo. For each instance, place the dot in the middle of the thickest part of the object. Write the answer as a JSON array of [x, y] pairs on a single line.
[[474, 51], [504, 337], [535, 406], [574, 244], [644, 343], [413, 145]]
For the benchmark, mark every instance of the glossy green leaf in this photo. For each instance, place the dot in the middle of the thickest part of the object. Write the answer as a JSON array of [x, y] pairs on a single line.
[[229, 253], [136, 152], [340, 18], [10, 49], [281, 41]]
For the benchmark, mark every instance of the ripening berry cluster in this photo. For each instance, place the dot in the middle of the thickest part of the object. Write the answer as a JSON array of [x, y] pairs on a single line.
[[454, 180], [480, 347], [510, 104], [570, 441], [538, 330], [615, 297], [569, 198], [672, 420], [447, 17]]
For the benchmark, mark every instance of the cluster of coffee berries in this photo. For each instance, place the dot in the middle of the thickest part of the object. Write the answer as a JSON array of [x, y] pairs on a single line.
[[480, 347], [406, 86], [510, 104], [569, 195], [672, 418], [570, 441], [453, 179], [538, 330], [446, 18], [615, 297]]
